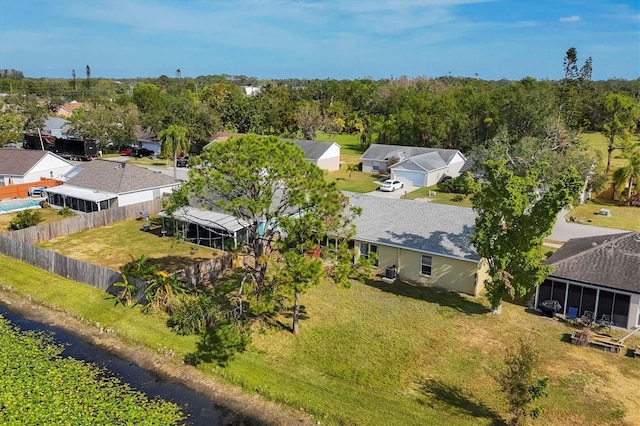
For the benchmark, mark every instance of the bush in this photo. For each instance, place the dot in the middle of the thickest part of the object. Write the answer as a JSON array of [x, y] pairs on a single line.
[[25, 219], [66, 212], [194, 314], [463, 184]]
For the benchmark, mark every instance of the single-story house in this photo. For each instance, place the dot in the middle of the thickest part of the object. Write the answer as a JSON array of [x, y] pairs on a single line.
[[66, 110], [103, 184], [19, 165], [427, 243], [413, 165], [324, 154], [597, 274]]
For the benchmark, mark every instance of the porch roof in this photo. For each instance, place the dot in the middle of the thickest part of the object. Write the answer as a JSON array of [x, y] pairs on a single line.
[[208, 219], [81, 193]]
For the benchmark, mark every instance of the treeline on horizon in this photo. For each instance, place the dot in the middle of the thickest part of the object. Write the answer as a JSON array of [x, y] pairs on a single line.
[[443, 112]]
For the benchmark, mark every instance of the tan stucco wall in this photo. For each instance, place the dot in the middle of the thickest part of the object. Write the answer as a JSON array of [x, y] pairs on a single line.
[[447, 273]]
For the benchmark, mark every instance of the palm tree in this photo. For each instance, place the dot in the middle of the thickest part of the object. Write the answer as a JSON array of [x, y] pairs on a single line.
[[629, 174], [174, 138]]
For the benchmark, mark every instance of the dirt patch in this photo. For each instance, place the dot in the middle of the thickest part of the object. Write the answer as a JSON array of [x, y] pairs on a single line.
[[251, 408]]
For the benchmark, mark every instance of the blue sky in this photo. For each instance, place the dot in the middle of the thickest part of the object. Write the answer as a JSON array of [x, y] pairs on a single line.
[[345, 39]]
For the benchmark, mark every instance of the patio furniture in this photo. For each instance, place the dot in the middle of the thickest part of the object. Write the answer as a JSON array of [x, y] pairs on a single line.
[[587, 318], [550, 307], [572, 314], [605, 321]]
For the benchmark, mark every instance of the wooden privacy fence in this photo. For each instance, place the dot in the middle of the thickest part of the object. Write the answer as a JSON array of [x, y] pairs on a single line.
[[81, 222], [73, 269], [22, 189], [19, 245], [204, 272]]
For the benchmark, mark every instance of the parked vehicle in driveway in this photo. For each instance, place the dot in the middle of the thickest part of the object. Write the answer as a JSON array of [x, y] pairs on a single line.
[[182, 162], [36, 190], [126, 151], [144, 152], [391, 185]]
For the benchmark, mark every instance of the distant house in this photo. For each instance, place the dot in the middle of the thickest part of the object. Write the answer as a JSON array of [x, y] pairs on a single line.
[[325, 155], [413, 165], [251, 90], [67, 109], [103, 184], [597, 274], [19, 165], [427, 243]]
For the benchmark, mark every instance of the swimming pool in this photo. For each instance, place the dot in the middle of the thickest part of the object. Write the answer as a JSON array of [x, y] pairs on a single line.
[[10, 206]]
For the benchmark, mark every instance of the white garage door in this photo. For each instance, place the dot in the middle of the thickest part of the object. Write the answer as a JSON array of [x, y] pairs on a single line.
[[411, 178]]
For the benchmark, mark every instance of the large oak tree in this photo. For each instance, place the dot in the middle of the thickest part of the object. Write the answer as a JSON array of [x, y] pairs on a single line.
[[288, 208], [515, 214]]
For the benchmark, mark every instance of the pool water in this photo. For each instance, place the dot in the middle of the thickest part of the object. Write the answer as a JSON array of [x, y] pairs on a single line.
[[10, 206]]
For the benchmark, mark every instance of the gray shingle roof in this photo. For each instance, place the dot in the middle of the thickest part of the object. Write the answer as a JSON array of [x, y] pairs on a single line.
[[607, 260], [384, 152], [118, 178], [418, 225], [18, 161], [428, 161], [313, 150]]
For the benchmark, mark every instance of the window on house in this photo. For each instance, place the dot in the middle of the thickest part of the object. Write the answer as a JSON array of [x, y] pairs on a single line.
[[367, 249], [425, 267]]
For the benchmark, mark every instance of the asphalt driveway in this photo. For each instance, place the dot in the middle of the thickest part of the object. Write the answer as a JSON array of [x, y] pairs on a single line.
[[564, 231]]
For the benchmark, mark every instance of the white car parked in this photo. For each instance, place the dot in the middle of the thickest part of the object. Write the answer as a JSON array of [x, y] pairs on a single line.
[[391, 185]]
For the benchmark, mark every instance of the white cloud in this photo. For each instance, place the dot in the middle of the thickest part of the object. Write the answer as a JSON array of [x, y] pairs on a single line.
[[572, 18]]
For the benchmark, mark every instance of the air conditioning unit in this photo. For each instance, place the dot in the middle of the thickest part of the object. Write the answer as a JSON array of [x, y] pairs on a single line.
[[605, 212]]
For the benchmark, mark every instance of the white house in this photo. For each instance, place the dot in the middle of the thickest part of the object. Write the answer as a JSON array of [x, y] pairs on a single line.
[[413, 165], [325, 155], [19, 165], [103, 184]]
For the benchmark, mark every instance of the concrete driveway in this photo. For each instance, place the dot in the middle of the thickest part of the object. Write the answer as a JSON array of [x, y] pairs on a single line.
[[398, 193]]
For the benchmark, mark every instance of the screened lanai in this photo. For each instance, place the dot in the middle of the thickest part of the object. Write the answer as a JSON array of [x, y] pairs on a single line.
[[205, 227], [601, 301], [80, 199]]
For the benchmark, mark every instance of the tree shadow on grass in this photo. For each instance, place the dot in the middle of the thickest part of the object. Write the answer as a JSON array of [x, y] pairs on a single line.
[[175, 263], [442, 393], [431, 294], [289, 315]]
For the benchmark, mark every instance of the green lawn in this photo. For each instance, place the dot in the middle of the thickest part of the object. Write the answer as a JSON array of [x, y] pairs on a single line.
[[48, 215], [381, 354], [622, 217], [93, 305], [148, 161], [439, 197], [354, 181], [114, 245], [349, 143]]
